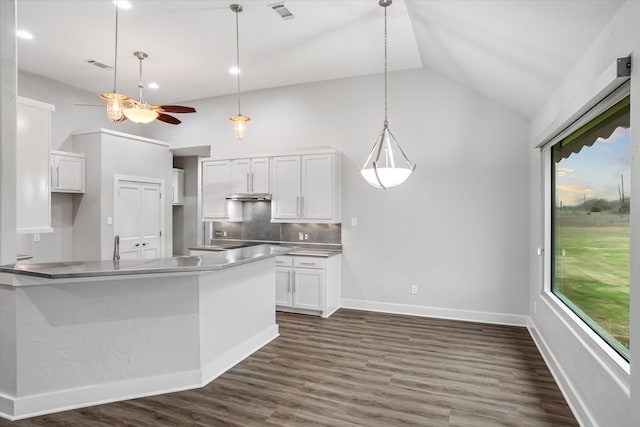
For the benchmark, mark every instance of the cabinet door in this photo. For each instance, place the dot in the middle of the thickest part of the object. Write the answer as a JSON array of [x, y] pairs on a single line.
[[285, 178], [177, 187], [216, 185], [241, 176], [127, 219], [260, 175], [284, 295], [33, 196], [317, 187], [67, 173], [308, 289]]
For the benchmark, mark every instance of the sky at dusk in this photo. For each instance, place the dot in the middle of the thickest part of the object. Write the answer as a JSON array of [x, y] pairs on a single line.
[[595, 171]]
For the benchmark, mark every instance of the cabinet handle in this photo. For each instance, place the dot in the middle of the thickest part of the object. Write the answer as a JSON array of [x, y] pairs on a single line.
[[248, 189], [293, 281], [57, 176], [297, 205], [302, 206], [307, 263], [252, 188]]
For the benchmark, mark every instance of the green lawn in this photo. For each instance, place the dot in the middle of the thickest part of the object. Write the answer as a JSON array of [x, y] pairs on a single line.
[[592, 269]]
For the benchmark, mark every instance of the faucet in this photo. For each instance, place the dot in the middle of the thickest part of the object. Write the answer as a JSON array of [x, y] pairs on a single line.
[[116, 248]]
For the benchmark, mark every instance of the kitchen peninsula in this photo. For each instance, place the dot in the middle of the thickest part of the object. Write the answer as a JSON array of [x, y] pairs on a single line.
[[81, 333]]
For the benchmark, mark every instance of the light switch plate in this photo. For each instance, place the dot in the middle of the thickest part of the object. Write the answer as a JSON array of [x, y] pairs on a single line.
[[109, 220], [354, 222]]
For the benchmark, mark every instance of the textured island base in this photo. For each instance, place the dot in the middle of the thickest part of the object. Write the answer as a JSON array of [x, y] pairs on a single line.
[[69, 343]]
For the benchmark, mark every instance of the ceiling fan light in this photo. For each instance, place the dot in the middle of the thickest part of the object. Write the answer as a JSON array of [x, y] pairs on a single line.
[[115, 103], [140, 114], [240, 125]]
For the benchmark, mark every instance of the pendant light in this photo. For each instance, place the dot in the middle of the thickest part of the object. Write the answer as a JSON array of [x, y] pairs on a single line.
[[387, 165], [114, 99], [139, 111], [239, 121]]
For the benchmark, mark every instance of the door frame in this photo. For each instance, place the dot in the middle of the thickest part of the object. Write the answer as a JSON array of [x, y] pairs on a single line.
[[142, 180]]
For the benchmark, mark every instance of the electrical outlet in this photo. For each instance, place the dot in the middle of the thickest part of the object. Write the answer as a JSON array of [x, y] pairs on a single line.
[[36, 237], [224, 234], [217, 233], [414, 289], [300, 235], [306, 236]]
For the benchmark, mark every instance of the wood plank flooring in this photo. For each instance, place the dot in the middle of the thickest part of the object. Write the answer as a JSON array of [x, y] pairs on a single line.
[[360, 369]]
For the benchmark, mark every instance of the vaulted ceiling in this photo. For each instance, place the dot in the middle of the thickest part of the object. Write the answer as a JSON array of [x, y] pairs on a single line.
[[514, 52]]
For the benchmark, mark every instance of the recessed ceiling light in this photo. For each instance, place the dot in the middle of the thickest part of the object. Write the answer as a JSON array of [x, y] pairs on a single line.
[[24, 34], [153, 86], [122, 4], [234, 70]]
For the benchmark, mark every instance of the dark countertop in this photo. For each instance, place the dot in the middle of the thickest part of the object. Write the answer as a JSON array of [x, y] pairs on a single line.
[[215, 261]]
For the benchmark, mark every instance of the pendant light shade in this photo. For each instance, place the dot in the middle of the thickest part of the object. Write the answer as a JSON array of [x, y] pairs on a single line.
[[115, 100], [240, 125], [239, 121], [387, 165]]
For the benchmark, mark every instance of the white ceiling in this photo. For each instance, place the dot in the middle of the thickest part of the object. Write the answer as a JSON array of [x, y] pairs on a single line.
[[514, 52]]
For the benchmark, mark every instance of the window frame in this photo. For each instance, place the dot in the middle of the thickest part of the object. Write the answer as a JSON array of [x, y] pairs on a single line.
[[590, 338]]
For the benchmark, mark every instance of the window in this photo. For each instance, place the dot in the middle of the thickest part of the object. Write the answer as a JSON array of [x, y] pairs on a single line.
[[590, 231]]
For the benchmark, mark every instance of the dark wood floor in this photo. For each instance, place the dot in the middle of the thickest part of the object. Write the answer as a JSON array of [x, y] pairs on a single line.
[[365, 369]]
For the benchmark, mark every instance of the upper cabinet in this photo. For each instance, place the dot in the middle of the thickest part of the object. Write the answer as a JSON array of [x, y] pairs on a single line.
[[306, 188], [250, 175], [33, 197], [216, 186], [67, 172], [177, 187]]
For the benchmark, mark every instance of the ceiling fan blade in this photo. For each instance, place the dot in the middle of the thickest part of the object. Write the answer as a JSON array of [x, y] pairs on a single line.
[[174, 108], [168, 119]]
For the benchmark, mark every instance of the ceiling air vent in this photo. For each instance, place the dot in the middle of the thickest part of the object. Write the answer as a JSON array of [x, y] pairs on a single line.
[[282, 10], [98, 64]]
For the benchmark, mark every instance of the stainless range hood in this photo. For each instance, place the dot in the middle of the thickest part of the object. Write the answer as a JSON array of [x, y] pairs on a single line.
[[249, 197]]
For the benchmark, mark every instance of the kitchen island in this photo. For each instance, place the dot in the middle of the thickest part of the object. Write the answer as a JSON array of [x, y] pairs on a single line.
[[82, 333]]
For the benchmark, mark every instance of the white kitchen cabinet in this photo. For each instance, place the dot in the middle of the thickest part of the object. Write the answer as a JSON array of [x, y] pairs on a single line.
[[308, 285], [250, 175], [216, 186], [306, 188], [67, 172], [177, 187], [33, 194]]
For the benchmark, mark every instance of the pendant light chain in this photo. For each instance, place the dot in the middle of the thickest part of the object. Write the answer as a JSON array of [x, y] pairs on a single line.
[[386, 123], [238, 58]]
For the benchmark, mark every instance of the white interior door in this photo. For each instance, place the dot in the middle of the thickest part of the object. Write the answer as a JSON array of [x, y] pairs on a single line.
[[138, 219], [127, 219], [150, 216]]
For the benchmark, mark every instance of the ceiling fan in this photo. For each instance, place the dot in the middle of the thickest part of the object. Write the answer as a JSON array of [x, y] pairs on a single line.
[[139, 111]]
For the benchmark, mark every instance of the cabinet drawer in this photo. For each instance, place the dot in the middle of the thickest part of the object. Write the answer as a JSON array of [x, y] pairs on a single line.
[[308, 262], [284, 261]]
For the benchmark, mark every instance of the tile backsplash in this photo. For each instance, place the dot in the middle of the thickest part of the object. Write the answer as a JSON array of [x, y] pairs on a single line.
[[257, 225]]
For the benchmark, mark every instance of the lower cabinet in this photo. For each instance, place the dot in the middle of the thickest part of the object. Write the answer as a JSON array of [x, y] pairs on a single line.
[[309, 285]]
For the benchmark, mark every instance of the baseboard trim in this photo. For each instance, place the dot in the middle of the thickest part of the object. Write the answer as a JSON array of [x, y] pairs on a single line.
[[443, 313], [577, 406], [221, 364]]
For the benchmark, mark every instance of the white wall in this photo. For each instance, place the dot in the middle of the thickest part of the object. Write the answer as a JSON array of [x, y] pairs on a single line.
[[596, 387], [456, 229], [67, 118]]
